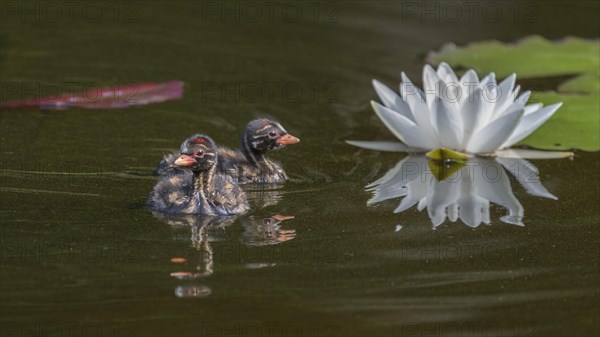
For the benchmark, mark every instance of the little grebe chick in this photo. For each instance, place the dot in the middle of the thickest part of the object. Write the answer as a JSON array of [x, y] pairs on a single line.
[[250, 164], [194, 185]]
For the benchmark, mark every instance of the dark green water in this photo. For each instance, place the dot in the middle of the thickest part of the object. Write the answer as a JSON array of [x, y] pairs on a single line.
[[82, 256]]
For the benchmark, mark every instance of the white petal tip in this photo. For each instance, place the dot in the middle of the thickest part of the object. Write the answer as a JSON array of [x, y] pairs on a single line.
[[533, 154], [381, 146], [444, 65]]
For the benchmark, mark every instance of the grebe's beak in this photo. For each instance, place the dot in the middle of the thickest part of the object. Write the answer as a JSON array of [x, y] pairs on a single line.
[[288, 139], [184, 161]]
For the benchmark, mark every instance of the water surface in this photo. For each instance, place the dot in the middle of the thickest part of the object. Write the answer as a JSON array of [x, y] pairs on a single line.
[[81, 252]]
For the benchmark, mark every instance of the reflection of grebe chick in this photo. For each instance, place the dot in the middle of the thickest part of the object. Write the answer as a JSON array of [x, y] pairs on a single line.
[[203, 257], [205, 191], [214, 225], [201, 226], [250, 164], [266, 231]]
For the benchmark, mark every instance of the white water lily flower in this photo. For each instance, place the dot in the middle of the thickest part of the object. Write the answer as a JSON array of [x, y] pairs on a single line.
[[467, 115]]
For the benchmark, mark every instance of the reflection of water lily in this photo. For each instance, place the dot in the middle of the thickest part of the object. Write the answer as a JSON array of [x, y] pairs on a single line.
[[465, 115], [464, 191]]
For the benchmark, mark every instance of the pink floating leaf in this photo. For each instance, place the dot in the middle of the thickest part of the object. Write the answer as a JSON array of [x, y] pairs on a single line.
[[117, 97]]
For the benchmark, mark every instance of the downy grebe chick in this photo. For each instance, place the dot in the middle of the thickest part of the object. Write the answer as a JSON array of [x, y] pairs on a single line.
[[197, 187], [250, 164]]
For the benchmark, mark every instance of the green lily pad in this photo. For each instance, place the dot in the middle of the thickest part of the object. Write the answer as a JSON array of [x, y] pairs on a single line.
[[533, 56], [584, 84], [576, 124]]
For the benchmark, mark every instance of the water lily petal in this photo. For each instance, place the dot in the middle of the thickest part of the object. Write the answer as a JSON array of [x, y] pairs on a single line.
[[453, 212], [505, 94], [488, 81], [405, 171], [386, 192], [468, 83], [472, 209], [399, 181], [493, 185], [532, 154], [415, 98], [417, 190], [406, 203], [382, 146], [485, 214], [407, 88], [513, 219], [476, 112], [422, 204], [440, 196], [438, 218], [446, 74], [470, 205], [448, 124], [431, 83], [489, 88], [489, 138], [392, 100], [519, 103], [533, 108], [469, 77], [515, 92], [527, 175], [524, 97], [403, 128], [530, 123]]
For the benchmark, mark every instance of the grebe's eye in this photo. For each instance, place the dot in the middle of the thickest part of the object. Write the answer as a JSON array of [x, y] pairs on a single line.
[[272, 134], [199, 154]]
